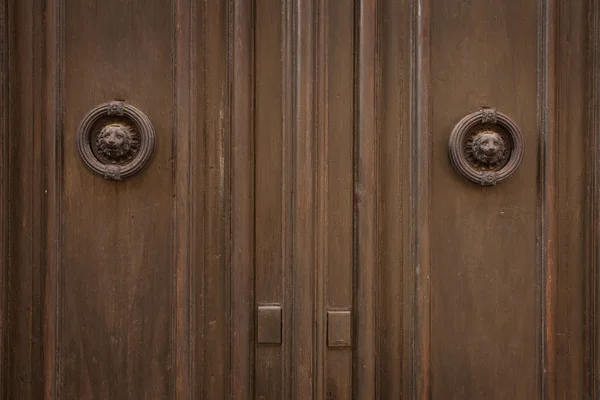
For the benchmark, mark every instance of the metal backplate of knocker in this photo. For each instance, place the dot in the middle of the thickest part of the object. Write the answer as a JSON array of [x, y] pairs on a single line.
[[486, 147], [116, 140]]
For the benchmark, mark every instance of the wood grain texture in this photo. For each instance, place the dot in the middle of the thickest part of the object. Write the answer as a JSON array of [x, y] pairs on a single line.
[[21, 356], [243, 200], [303, 329], [185, 200], [300, 232], [548, 191], [338, 180], [212, 186], [321, 181], [394, 290], [32, 98], [365, 188], [119, 297], [52, 120], [572, 159], [271, 199], [421, 160], [591, 274], [288, 88], [5, 172], [486, 294]]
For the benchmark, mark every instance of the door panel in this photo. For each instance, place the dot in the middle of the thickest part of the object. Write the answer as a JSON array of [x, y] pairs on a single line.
[[575, 141], [210, 240], [300, 231], [336, 178], [271, 203], [486, 282], [116, 243]]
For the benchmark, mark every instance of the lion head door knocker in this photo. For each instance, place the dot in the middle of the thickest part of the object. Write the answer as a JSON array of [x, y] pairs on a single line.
[[116, 140], [486, 147]]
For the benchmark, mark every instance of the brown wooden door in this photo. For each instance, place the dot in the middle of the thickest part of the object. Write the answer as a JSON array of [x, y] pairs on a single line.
[[299, 230]]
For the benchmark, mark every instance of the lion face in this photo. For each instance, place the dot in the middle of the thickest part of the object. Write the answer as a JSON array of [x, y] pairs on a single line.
[[488, 148], [114, 141]]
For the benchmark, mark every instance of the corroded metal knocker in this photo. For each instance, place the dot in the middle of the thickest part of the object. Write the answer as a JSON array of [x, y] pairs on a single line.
[[486, 147], [116, 140]]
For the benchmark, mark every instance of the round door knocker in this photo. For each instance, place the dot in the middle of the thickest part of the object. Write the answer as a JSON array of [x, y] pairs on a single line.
[[486, 147], [116, 140]]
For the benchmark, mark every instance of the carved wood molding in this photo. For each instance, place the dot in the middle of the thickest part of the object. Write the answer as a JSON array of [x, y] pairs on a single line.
[[486, 147], [116, 140]]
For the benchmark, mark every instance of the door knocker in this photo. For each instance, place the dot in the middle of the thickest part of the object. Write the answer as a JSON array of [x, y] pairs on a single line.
[[116, 140], [486, 147]]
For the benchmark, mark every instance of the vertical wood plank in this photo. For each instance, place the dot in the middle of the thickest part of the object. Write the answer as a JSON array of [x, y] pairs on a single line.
[[322, 134], [184, 144], [270, 184], [394, 310], [288, 89], [212, 185], [51, 120], [338, 179], [592, 272], [39, 204], [19, 379], [485, 287], [117, 284], [365, 204], [32, 99], [242, 207], [573, 221], [37, 201], [5, 174], [547, 206], [304, 204], [421, 150]]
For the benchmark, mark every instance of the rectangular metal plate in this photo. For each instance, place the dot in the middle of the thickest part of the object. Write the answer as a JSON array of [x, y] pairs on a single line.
[[269, 325], [339, 329]]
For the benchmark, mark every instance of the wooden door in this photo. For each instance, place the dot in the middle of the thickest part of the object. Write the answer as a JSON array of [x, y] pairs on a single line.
[[265, 199]]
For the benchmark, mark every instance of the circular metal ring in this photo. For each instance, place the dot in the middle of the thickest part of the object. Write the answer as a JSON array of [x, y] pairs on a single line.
[[116, 140], [486, 147]]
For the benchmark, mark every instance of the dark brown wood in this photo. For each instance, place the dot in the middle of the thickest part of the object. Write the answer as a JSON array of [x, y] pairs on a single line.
[[5, 173], [321, 220], [304, 263], [211, 223], [300, 231], [421, 198], [18, 367], [395, 284], [184, 127], [118, 317], [365, 193], [574, 163], [486, 300], [243, 250], [590, 369], [287, 149], [548, 190], [271, 186], [31, 193], [338, 181], [52, 153]]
